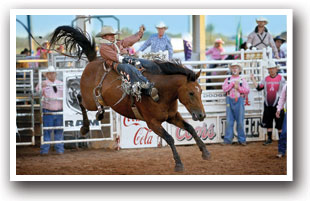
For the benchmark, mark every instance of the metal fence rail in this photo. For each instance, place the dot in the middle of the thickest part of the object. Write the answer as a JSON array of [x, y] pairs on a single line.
[[24, 94]]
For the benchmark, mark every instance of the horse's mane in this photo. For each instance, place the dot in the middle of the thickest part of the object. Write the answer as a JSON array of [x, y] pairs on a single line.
[[173, 67]]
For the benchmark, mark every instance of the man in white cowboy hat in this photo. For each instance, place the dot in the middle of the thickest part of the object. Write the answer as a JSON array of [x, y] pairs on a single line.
[[114, 53], [159, 41], [272, 86], [260, 38], [51, 89], [236, 89]]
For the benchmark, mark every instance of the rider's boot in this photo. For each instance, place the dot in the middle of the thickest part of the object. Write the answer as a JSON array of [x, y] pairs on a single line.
[[151, 91]]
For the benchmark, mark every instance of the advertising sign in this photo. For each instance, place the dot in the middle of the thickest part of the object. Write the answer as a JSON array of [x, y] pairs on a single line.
[[136, 134], [252, 128], [72, 115], [206, 130]]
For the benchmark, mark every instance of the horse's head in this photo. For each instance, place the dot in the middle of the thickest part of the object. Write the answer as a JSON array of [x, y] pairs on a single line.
[[190, 96]]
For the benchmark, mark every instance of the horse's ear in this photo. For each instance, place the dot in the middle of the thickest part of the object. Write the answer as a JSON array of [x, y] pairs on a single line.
[[198, 74]]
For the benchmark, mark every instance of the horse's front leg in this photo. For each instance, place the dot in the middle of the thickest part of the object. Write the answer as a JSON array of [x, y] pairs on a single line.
[[159, 130], [178, 121]]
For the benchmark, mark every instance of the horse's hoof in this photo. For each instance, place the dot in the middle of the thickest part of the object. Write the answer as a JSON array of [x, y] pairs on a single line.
[[206, 156], [99, 116], [84, 130], [179, 168]]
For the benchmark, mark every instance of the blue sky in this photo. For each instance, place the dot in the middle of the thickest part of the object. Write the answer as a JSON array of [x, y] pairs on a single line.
[[224, 24]]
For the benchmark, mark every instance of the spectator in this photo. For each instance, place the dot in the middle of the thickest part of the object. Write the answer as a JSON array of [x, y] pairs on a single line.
[[260, 38], [282, 139], [44, 50], [61, 49], [236, 89], [25, 53], [50, 91], [216, 51], [279, 41], [159, 41], [272, 86], [237, 56]]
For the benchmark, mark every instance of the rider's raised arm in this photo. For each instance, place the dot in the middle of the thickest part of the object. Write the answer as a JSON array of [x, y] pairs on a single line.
[[130, 40]]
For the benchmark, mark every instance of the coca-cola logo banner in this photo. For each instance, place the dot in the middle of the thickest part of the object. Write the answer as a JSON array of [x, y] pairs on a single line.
[[136, 134]]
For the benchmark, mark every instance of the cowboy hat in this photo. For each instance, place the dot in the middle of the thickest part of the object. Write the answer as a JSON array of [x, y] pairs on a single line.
[[279, 38], [107, 30], [219, 40], [161, 25], [261, 19], [50, 69], [272, 64], [236, 64]]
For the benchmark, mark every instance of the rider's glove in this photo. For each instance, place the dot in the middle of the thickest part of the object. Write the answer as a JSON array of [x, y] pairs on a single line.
[[120, 58]]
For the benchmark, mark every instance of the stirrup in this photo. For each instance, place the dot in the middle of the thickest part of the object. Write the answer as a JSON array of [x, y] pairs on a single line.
[[154, 94]]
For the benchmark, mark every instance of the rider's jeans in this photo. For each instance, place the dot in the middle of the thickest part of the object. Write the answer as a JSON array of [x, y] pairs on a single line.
[[234, 112], [134, 74]]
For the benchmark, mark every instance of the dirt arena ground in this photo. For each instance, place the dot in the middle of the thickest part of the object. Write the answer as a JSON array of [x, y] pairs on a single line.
[[253, 159]]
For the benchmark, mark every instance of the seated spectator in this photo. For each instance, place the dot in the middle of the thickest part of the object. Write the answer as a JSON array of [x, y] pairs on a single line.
[[216, 51]]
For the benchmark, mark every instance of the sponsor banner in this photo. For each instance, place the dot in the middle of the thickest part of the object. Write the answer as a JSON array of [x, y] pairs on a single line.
[[136, 134], [72, 115], [252, 128], [206, 130]]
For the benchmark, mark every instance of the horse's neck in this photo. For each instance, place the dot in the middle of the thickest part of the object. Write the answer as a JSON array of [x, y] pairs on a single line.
[[169, 84]]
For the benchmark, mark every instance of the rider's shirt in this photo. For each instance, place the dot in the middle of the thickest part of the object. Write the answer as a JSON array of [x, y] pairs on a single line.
[[110, 51], [158, 44], [272, 87], [228, 87]]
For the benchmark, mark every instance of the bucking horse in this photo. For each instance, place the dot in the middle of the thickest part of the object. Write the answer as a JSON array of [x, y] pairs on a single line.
[[173, 81]]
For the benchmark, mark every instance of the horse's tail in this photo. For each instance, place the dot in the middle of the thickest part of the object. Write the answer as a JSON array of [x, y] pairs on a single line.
[[75, 40]]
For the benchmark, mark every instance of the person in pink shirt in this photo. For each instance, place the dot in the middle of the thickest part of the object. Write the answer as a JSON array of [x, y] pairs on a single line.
[[216, 51], [52, 89], [272, 86], [282, 139], [236, 88]]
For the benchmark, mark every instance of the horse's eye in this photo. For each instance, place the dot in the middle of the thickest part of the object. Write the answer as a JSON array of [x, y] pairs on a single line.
[[191, 93]]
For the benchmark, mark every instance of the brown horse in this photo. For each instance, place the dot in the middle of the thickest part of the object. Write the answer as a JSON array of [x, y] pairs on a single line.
[[174, 82]]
